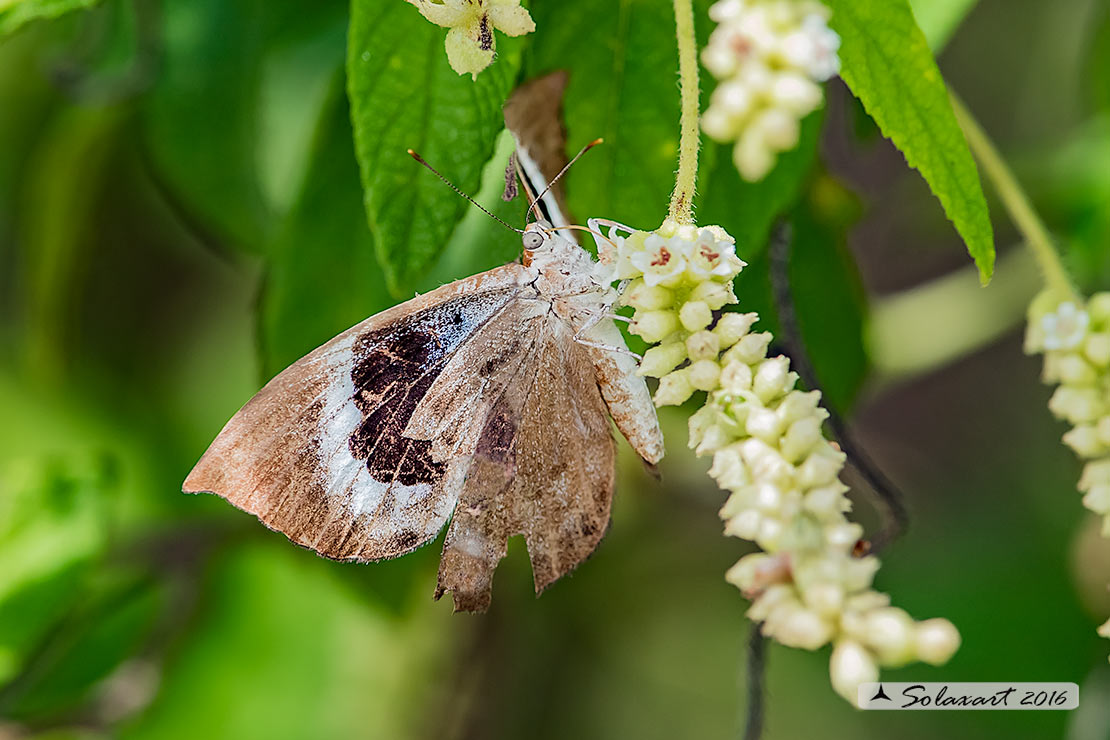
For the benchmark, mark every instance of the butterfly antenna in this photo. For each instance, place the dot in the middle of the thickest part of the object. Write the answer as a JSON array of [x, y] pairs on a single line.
[[555, 179], [450, 184]]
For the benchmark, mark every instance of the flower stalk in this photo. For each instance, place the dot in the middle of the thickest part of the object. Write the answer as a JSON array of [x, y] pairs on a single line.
[[682, 199]]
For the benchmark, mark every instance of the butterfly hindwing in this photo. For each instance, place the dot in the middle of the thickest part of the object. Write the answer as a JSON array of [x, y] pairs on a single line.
[[543, 467]]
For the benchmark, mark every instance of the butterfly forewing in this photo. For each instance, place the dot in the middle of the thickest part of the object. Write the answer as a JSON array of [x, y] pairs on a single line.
[[320, 453]]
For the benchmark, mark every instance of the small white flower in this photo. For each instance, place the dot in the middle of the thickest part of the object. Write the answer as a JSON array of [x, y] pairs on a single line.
[[470, 43], [1065, 328], [713, 257], [660, 263], [824, 62]]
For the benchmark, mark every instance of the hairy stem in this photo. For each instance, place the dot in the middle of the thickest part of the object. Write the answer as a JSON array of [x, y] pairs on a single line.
[[682, 208], [1016, 203]]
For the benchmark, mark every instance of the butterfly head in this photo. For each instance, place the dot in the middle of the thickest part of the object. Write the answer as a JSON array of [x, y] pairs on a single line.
[[537, 237]]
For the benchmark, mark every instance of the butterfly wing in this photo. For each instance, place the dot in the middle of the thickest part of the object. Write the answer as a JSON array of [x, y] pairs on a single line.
[[543, 467], [320, 454]]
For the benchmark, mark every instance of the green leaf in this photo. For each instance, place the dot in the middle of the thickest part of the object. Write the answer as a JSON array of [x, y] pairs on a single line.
[[403, 96], [282, 648], [888, 66], [480, 243], [323, 274], [746, 209], [939, 19], [623, 65], [25, 11], [827, 294], [110, 623], [52, 525], [218, 117]]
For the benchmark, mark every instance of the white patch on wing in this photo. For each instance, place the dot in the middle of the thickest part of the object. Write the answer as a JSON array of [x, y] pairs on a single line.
[[344, 475]]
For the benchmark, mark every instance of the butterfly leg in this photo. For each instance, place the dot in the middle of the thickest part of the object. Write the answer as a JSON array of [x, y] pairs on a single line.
[[609, 348]]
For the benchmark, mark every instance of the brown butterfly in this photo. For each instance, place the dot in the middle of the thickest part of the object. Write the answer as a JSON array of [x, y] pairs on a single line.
[[486, 402]]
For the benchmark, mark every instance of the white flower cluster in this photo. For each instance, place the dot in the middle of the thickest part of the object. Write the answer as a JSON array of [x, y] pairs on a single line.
[[769, 57], [1075, 340], [810, 586]]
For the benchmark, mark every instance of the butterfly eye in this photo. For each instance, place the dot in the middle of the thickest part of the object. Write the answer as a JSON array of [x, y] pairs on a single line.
[[533, 240]]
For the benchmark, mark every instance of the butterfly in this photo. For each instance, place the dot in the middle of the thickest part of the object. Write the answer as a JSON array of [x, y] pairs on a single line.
[[485, 403]]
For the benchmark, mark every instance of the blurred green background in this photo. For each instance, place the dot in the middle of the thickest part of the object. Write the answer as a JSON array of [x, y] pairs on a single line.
[[181, 216]]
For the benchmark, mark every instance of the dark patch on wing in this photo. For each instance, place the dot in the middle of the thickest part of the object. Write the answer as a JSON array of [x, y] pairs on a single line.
[[394, 368], [496, 442]]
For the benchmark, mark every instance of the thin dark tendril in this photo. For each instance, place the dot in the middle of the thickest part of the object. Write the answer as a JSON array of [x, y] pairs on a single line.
[[891, 499], [757, 672]]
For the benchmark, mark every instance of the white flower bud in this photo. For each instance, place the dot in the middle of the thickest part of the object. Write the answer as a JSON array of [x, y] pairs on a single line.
[[799, 405], [844, 535], [662, 359], [752, 155], [825, 598], [828, 501], [695, 315], [1098, 307], [735, 98], [703, 345], [646, 297], [1095, 473], [744, 525], [1104, 630], [773, 598], [764, 424], [764, 461], [715, 438], [704, 374], [720, 60], [718, 124], [729, 469], [802, 628], [1074, 370], [1084, 440], [1097, 349], [732, 327], [800, 439], [770, 378], [770, 533], [673, 389], [779, 129], [851, 666], [654, 326], [1076, 405], [1098, 499], [857, 574], [713, 294], [746, 574], [937, 641], [736, 378], [796, 93], [820, 468], [750, 349], [890, 635], [767, 497]]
